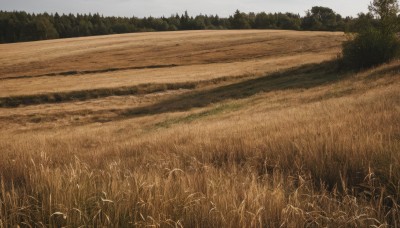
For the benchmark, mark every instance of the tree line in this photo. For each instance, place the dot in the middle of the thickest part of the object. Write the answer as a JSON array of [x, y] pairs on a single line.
[[21, 26]]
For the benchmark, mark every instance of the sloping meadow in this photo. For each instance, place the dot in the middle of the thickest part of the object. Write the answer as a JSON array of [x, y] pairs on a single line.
[[322, 151]]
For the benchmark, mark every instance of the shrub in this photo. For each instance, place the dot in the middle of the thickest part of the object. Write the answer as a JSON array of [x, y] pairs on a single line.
[[370, 48], [375, 45]]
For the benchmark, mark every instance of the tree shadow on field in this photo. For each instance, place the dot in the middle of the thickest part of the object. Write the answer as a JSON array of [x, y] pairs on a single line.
[[303, 77]]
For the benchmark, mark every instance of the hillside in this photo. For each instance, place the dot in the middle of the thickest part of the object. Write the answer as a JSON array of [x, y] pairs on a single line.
[[209, 128]]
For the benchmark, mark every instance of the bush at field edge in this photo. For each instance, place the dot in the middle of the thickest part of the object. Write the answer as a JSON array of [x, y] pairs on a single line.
[[370, 48]]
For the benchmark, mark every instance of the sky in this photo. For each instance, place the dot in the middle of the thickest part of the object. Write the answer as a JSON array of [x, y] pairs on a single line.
[[157, 8]]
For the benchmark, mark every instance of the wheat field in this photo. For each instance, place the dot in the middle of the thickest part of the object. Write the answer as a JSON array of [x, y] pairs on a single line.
[[197, 129]]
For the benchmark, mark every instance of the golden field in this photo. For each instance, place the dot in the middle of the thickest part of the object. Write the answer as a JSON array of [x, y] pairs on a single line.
[[197, 129]]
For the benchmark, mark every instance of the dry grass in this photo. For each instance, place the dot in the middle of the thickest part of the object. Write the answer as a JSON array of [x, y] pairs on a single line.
[[304, 147], [156, 49], [128, 60]]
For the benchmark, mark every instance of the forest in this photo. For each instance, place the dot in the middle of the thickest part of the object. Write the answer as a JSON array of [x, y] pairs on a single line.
[[21, 26]]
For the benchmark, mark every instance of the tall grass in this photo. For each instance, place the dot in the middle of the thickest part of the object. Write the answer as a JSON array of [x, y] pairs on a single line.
[[322, 157]]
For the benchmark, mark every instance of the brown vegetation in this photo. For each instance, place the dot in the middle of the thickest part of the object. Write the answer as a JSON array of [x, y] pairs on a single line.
[[288, 143]]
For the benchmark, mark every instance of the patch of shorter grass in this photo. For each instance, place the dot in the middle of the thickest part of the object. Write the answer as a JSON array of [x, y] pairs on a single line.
[[82, 95], [334, 93], [196, 116]]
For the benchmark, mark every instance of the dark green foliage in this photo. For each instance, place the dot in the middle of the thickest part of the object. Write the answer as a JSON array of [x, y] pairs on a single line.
[[386, 11], [288, 21], [21, 26], [363, 22], [370, 48], [376, 41], [322, 19], [240, 21]]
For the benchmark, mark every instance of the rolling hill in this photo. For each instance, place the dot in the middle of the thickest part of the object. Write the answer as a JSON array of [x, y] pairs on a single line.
[[250, 128]]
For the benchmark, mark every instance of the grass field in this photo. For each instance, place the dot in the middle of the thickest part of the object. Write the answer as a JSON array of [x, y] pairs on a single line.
[[197, 129]]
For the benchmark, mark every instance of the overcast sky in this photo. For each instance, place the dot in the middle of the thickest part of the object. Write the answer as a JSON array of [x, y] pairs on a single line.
[[141, 8]]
